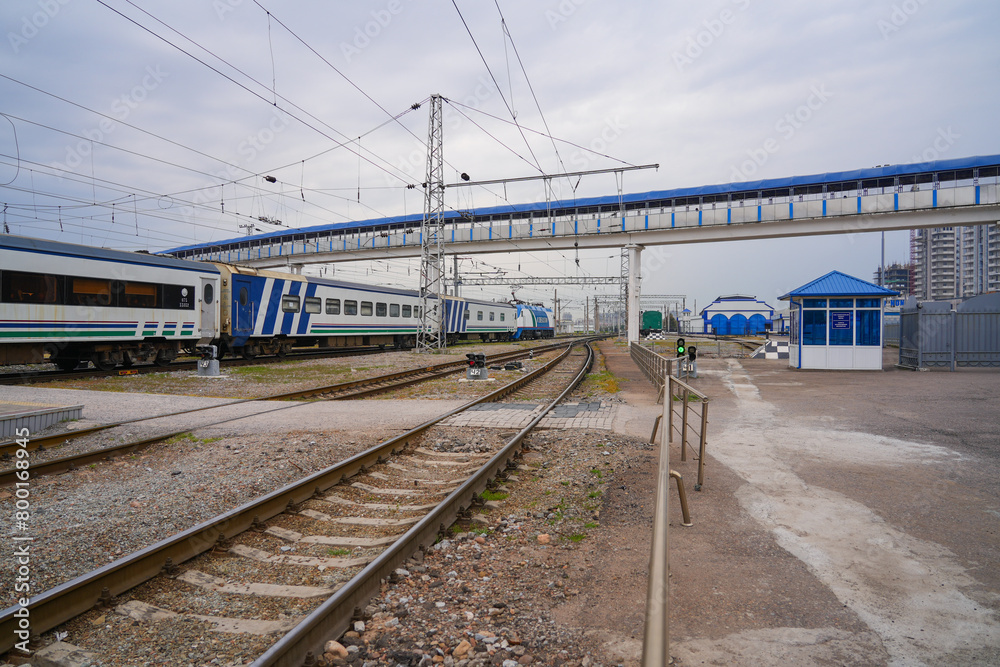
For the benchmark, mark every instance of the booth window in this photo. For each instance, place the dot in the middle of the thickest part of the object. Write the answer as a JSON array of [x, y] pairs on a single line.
[[814, 303], [840, 325], [814, 326], [842, 303], [868, 327], [868, 303]]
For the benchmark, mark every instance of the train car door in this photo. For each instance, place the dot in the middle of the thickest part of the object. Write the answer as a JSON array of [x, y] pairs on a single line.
[[243, 307], [209, 308]]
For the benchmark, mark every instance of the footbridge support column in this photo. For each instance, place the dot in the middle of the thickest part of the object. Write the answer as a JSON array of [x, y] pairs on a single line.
[[634, 281]]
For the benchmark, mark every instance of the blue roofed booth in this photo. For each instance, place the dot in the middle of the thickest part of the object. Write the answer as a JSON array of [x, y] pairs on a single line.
[[836, 323]]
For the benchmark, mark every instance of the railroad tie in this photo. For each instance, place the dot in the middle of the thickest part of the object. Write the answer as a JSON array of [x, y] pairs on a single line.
[[361, 520], [328, 540], [338, 500], [208, 582], [147, 613], [262, 556]]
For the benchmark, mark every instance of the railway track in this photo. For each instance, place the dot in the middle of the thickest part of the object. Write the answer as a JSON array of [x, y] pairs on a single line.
[[34, 377], [379, 507], [353, 389]]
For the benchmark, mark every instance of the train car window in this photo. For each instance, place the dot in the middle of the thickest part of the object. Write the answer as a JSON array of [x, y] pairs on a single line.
[[501, 317], [492, 316], [366, 308], [407, 311], [350, 307], [333, 306], [21, 287], [181, 297], [314, 304], [90, 292], [209, 293], [140, 295], [244, 296], [380, 309], [290, 303], [416, 311], [393, 310], [479, 315], [466, 315]]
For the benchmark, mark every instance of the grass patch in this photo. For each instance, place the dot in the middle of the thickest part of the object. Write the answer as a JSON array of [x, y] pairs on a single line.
[[494, 495], [577, 537], [604, 381], [338, 552], [595, 494], [189, 437], [590, 525]]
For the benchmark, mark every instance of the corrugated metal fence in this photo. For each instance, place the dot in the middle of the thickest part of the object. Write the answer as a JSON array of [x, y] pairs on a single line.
[[933, 334]]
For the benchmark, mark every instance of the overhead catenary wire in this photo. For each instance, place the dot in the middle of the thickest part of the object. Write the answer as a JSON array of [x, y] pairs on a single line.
[[537, 165]]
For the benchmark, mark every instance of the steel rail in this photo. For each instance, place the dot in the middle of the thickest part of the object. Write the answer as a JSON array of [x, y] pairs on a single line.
[[333, 617], [70, 599], [9, 448], [32, 377], [73, 461]]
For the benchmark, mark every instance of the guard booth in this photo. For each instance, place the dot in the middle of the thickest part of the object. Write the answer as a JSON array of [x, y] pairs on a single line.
[[836, 323]]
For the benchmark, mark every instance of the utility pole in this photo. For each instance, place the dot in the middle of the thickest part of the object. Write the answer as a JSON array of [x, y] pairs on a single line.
[[430, 336]]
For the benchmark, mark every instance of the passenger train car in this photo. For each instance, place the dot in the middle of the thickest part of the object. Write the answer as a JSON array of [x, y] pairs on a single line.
[[74, 303], [70, 304]]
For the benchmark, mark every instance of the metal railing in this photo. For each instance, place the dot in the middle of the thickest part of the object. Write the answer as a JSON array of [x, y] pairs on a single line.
[[689, 399], [654, 366], [659, 370]]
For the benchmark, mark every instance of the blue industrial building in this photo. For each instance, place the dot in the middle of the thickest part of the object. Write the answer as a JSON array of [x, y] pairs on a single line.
[[737, 315]]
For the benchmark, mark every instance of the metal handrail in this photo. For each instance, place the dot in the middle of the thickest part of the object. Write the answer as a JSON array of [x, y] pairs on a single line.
[[686, 391]]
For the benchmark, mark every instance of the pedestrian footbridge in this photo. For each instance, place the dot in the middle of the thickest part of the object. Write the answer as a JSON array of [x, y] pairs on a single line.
[[942, 193]]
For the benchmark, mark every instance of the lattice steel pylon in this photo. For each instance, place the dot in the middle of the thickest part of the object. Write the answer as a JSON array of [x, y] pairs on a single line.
[[431, 336]]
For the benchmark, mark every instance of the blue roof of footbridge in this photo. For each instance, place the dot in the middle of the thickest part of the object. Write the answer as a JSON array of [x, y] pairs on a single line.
[[836, 283], [654, 195]]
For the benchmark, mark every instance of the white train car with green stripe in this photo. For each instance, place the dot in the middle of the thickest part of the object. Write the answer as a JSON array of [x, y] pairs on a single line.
[[69, 303]]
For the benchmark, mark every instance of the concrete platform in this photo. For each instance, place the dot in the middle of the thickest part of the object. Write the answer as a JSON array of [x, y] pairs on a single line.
[[33, 416]]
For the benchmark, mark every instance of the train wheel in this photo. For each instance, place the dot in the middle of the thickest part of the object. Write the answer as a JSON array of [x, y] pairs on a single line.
[[66, 364], [164, 358], [282, 351], [249, 352], [102, 362]]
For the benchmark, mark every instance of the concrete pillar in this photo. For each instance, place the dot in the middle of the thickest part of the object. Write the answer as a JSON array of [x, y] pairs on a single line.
[[634, 280]]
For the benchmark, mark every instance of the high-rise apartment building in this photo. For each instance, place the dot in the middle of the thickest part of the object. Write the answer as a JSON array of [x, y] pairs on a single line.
[[897, 277], [954, 262]]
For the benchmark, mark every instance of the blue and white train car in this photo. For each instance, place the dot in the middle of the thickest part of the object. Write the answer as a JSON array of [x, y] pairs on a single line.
[[269, 312], [533, 322], [74, 304], [469, 319]]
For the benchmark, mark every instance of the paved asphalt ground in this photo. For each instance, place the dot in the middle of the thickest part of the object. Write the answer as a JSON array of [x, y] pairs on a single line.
[[848, 518]]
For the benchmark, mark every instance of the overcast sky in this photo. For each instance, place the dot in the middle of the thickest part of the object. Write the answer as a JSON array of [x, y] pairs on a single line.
[[201, 99]]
